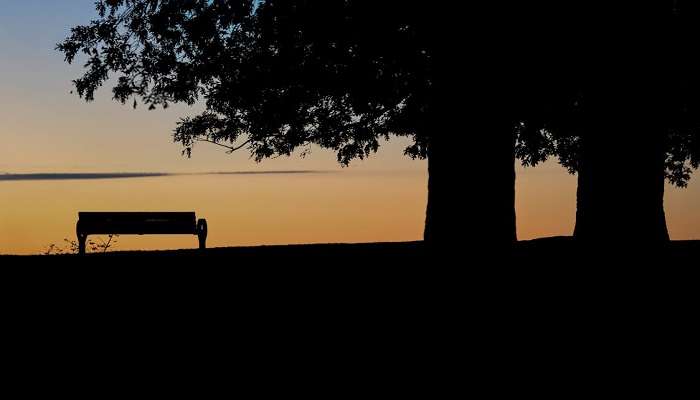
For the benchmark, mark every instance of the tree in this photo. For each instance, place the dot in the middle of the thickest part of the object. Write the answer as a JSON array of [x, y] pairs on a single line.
[[625, 114], [278, 76]]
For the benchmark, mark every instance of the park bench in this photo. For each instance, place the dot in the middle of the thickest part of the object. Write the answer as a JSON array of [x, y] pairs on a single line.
[[139, 223]]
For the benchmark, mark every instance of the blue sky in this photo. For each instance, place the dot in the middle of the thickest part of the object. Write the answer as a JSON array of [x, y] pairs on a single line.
[[29, 30]]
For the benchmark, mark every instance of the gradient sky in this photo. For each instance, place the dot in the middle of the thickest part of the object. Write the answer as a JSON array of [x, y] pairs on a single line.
[[45, 129]]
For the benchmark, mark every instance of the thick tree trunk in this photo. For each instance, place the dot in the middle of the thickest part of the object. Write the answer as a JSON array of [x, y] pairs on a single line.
[[621, 177], [471, 161], [620, 198], [471, 189]]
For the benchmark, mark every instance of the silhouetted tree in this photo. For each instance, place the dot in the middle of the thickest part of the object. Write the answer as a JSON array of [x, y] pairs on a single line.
[[623, 113], [278, 76]]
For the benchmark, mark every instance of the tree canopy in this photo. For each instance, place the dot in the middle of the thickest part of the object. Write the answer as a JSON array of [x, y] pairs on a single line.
[[274, 76], [638, 64]]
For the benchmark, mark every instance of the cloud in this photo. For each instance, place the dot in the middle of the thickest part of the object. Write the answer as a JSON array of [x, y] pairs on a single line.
[[131, 175]]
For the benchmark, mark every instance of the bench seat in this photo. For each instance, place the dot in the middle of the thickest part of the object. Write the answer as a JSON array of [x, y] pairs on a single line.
[[139, 223]]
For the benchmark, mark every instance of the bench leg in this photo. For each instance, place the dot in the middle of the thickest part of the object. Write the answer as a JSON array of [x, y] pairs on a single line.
[[202, 233], [81, 244]]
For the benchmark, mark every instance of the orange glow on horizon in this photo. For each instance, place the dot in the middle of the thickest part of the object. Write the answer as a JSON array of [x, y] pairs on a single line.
[[350, 206]]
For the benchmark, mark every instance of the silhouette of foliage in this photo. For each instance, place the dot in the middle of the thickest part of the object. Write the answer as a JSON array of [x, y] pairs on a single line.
[[274, 76], [72, 246], [665, 97], [52, 249], [98, 245]]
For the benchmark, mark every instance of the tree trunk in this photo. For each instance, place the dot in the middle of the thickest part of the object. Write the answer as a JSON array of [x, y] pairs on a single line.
[[620, 197], [471, 158], [621, 176]]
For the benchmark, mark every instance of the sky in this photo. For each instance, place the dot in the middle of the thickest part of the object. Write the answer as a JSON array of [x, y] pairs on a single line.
[[46, 129]]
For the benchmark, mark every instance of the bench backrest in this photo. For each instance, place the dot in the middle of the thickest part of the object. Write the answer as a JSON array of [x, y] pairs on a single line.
[[137, 223]]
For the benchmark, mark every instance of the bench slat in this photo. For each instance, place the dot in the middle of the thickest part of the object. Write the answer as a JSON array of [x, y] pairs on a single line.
[[137, 216], [137, 222]]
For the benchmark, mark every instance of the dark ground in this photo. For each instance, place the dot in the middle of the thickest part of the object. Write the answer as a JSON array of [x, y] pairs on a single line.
[[548, 302], [550, 260]]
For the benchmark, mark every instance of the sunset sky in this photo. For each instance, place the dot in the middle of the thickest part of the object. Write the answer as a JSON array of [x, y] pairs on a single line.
[[45, 129]]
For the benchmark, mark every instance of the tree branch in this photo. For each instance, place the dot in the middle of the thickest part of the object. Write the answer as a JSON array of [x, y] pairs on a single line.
[[231, 149]]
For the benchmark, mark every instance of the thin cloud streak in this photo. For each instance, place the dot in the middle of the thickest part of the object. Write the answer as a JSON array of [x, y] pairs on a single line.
[[132, 175]]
